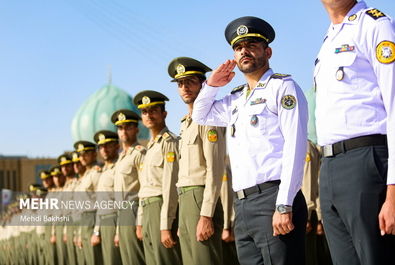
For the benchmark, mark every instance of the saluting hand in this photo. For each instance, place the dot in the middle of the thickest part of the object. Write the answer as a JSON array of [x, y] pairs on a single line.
[[223, 74], [282, 223]]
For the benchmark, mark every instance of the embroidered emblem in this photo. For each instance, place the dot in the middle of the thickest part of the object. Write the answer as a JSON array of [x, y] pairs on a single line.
[[121, 116], [385, 52], [288, 102], [170, 157], [212, 135], [146, 100]]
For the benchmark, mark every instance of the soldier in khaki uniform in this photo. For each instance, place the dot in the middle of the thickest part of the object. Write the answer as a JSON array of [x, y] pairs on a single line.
[[106, 219], [85, 191], [79, 170], [158, 194], [127, 185], [66, 165], [57, 227], [202, 155]]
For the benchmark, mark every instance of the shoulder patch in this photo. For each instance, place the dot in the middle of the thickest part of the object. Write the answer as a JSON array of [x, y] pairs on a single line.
[[385, 52], [288, 102], [166, 135], [237, 89], [375, 13], [280, 76], [170, 157], [212, 135]]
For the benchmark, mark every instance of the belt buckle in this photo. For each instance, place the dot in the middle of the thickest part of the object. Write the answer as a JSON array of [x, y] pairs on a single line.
[[240, 194], [328, 150]]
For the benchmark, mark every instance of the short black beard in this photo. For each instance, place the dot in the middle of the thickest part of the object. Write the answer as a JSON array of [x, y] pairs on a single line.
[[257, 64]]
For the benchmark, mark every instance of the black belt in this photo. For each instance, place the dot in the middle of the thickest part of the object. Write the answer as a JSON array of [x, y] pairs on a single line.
[[346, 145], [241, 194]]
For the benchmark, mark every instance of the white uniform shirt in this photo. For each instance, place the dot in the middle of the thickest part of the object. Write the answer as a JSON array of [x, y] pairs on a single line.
[[355, 91], [269, 138]]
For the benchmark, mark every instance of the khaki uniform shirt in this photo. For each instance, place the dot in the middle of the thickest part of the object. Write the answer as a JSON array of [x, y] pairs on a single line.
[[127, 169], [159, 175], [310, 185], [202, 155], [87, 186], [105, 192]]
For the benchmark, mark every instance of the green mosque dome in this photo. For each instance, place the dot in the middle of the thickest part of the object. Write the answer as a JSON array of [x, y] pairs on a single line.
[[95, 114]]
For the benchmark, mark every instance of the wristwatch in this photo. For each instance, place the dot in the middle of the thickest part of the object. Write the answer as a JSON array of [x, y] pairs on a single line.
[[96, 233], [281, 208]]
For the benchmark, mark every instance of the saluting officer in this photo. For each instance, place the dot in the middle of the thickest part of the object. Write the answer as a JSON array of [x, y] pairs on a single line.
[[158, 194], [267, 126], [201, 167], [127, 185], [85, 191], [355, 118], [106, 219]]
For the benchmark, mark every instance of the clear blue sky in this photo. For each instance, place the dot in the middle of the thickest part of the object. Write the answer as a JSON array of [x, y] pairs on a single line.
[[54, 54]]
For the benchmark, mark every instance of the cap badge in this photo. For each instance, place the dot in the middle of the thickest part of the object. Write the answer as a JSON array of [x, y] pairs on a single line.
[[63, 159], [121, 117], [180, 69], [75, 156], [80, 146], [146, 100], [102, 137], [242, 30]]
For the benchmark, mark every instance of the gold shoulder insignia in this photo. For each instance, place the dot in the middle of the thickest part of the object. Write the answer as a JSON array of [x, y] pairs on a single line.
[[280, 76], [97, 168], [140, 148], [166, 135], [237, 89], [375, 13]]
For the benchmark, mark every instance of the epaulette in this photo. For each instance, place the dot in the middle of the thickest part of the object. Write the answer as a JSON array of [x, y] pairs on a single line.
[[168, 136], [140, 148], [184, 118], [280, 76], [97, 168], [237, 89], [375, 13]]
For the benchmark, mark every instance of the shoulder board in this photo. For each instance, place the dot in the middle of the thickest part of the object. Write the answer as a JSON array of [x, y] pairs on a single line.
[[237, 89], [97, 168], [184, 118], [280, 76], [375, 13], [140, 148]]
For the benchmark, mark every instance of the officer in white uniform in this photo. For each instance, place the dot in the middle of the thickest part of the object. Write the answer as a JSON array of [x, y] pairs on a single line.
[[355, 117], [267, 135]]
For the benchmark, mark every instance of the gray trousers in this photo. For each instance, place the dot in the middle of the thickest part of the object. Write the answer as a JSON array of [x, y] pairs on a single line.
[[255, 242], [353, 189]]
